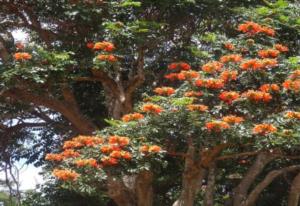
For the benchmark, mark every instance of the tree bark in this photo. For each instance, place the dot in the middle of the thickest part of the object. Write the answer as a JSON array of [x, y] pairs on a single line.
[[144, 189], [209, 192], [294, 195], [253, 196], [241, 191]]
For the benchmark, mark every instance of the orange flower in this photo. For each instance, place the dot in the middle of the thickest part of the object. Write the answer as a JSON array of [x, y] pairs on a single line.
[[269, 63], [113, 140], [172, 76], [232, 119], [144, 148], [264, 129], [19, 56], [132, 117], [293, 115], [229, 46], [106, 46], [281, 48], [54, 157], [213, 83], [152, 108], [268, 31], [86, 162], [123, 141], [167, 91], [217, 126], [228, 75], [197, 107], [257, 96], [105, 149], [90, 45], [269, 88], [292, 85], [109, 58], [231, 58], [65, 175], [193, 94], [69, 153], [268, 53], [295, 74], [253, 28], [154, 148], [212, 67], [126, 155], [229, 97], [109, 161], [116, 154], [187, 75], [199, 83], [71, 144], [253, 64], [81, 140], [180, 66]]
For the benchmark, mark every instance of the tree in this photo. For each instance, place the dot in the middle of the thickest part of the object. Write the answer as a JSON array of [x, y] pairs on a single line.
[[243, 103]]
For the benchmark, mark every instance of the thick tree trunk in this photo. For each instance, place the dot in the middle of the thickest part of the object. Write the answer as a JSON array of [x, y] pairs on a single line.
[[143, 188], [294, 195], [118, 106], [210, 189], [241, 191]]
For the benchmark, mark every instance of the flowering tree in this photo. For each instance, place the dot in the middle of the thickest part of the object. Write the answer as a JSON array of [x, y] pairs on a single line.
[[242, 105]]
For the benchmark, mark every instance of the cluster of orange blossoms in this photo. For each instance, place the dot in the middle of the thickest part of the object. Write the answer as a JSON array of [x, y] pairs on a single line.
[[268, 53], [183, 75], [253, 28], [193, 94], [217, 126], [132, 117], [179, 66], [227, 75], [86, 162], [231, 58], [104, 45], [263, 129], [210, 83], [293, 115], [232, 119], [229, 96], [150, 149], [256, 64], [295, 75], [152, 108], [257, 96], [269, 88], [80, 141], [281, 48], [68, 153], [293, 85], [107, 57], [212, 67], [197, 107], [167, 91], [65, 175], [19, 56], [229, 46]]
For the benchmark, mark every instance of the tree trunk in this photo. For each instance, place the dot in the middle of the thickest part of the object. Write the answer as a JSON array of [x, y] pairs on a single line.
[[143, 188], [209, 192], [241, 191], [294, 192]]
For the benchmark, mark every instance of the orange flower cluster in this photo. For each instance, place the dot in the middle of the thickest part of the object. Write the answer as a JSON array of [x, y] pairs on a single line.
[[212, 67], [263, 129], [217, 126], [281, 48], [210, 83], [193, 94], [197, 107], [167, 91], [81, 141], [292, 85], [132, 117], [232, 119], [180, 66], [293, 115], [257, 96], [295, 75], [19, 56], [172, 76], [107, 57], [231, 58], [229, 96], [253, 28], [65, 175], [152, 108], [150, 149], [227, 75], [256, 64], [183, 75], [104, 45], [268, 53], [54, 157], [70, 153], [229, 46], [86, 162], [269, 88]]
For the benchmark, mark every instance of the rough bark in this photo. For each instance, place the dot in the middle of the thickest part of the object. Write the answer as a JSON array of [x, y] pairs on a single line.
[[210, 188], [143, 188], [241, 191], [294, 195], [253, 196]]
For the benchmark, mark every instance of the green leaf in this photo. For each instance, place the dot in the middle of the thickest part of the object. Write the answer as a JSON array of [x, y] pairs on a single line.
[[113, 122], [129, 3], [182, 101]]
